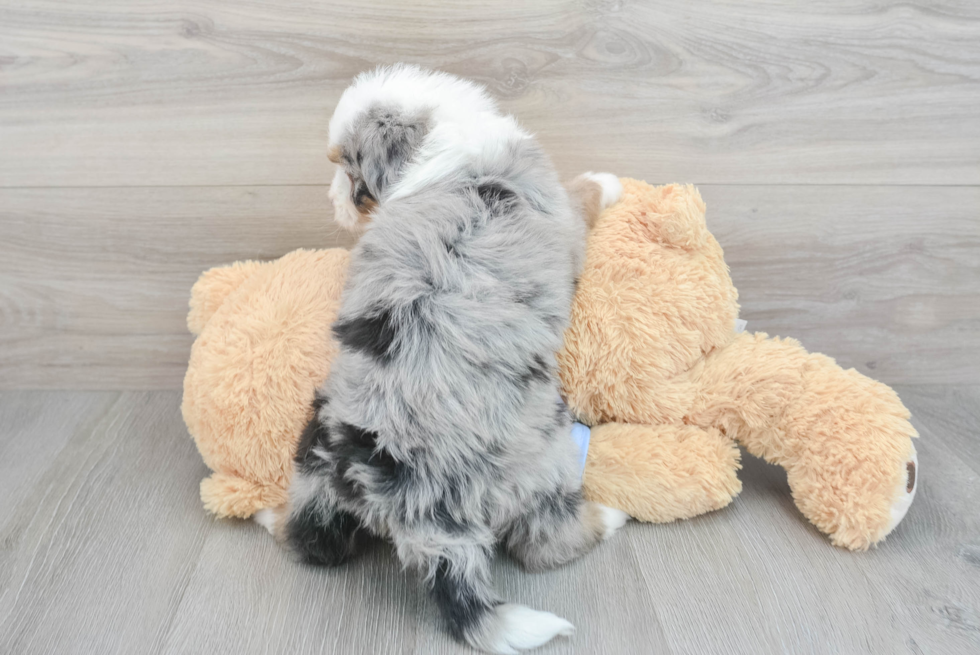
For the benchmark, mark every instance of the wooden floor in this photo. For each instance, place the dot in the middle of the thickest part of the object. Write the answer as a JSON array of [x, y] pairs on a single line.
[[105, 549], [837, 145]]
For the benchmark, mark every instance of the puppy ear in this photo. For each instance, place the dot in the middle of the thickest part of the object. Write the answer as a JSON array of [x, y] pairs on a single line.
[[390, 138]]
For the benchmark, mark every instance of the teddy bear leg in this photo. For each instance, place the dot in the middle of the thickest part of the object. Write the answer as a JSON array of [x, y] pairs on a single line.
[[661, 473], [844, 439], [904, 494], [213, 287], [231, 496]]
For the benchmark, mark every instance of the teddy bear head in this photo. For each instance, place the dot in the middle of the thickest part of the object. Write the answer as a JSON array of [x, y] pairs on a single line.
[[653, 299]]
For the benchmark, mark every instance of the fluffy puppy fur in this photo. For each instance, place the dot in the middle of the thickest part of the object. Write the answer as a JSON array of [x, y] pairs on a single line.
[[439, 427]]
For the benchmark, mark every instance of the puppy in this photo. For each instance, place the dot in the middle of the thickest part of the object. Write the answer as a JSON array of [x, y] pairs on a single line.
[[440, 426]]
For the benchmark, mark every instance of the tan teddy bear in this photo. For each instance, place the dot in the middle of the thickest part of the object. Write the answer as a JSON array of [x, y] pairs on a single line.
[[652, 355], [263, 347], [652, 360]]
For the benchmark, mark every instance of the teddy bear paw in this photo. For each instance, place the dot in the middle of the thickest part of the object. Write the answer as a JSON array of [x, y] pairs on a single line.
[[905, 493], [612, 519]]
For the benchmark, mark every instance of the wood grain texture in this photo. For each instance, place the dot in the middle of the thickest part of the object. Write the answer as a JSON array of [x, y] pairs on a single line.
[[884, 279], [32, 438], [94, 282], [106, 549], [142, 142], [110, 534], [214, 92]]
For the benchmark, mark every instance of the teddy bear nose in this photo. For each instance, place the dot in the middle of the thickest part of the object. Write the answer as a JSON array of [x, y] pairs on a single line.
[[910, 472]]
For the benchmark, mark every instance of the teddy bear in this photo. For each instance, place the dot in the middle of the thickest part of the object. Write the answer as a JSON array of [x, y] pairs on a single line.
[[653, 361], [653, 355], [263, 347]]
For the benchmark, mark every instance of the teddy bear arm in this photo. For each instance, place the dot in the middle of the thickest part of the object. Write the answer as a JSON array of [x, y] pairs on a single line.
[[211, 289], [661, 473], [228, 495], [844, 439]]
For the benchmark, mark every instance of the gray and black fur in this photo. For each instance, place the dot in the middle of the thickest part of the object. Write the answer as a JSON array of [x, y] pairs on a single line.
[[439, 427]]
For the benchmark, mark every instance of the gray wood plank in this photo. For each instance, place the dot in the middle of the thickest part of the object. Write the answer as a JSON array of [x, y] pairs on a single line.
[[108, 537], [931, 575], [116, 555], [215, 93], [266, 603], [950, 412], [884, 279], [756, 578], [765, 581], [94, 282], [34, 428]]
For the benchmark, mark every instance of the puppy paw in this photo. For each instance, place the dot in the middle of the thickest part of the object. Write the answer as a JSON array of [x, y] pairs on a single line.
[[267, 519], [344, 213], [612, 188], [612, 519], [515, 627]]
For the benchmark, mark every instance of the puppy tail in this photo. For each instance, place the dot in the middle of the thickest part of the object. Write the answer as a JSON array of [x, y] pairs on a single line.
[[475, 616], [509, 628]]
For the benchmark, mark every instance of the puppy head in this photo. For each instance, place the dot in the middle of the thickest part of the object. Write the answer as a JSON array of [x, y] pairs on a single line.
[[371, 152], [381, 124]]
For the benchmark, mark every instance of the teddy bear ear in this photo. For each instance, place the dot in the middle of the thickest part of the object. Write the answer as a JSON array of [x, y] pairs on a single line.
[[212, 288], [673, 216]]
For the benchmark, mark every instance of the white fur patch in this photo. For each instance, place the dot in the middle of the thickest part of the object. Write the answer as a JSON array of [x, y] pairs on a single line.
[[344, 212], [903, 498], [266, 518], [613, 519], [516, 627], [451, 99], [612, 188], [449, 147], [466, 123]]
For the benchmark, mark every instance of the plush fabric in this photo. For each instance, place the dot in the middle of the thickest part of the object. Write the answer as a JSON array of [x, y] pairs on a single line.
[[263, 347], [651, 361], [653, 357]]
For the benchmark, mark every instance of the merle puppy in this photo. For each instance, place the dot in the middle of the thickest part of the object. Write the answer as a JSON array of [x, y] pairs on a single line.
[[440, 426]]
